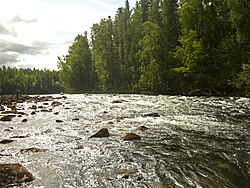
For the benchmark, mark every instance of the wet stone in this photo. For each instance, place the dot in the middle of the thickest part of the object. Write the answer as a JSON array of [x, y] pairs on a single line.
[[34, 107], [101, 133], [56, 103], [21, 136], [75, 119], [125, 175], [142, 128], [131, 136], [33, 113], [14, 174], [153, 114], [32, 150], [6, 141], [25, 120], [2, 108], [45, 110], [7, 118], [117, 101], [21, 113], [59, 121]]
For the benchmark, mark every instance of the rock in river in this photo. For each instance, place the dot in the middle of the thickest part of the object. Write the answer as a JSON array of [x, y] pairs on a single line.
[[32, 150], [142, 128], [7, 118], [6, 141], [2, 108], [24, 120], [56, 103], [13, 174], [153, 114], [101, 133], [131, 136]]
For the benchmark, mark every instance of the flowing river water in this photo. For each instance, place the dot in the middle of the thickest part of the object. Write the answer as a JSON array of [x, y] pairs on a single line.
[[195, 142]]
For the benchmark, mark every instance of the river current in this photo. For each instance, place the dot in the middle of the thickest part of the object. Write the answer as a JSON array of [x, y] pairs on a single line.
[[198, 142]]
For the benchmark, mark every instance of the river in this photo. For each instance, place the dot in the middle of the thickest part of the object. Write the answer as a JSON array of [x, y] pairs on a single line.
[[195, 142]]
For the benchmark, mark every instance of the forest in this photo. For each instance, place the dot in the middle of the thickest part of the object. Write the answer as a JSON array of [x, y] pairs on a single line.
[[29, 81], [157, 47], [164, 46]]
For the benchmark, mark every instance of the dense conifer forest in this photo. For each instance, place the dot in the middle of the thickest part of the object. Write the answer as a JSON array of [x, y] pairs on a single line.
[[164, 46], [29, 81], [158, 46]]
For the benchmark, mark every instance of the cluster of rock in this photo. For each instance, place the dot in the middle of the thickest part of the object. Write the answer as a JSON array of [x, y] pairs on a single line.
[[9, 110], [127, 137], [14, 174]]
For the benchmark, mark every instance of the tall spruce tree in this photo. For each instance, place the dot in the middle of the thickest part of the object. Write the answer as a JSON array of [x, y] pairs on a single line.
[[76, 71], [104, 56]]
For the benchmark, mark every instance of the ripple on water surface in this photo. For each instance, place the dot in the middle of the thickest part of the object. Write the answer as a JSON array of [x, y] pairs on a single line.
[[192, 142]]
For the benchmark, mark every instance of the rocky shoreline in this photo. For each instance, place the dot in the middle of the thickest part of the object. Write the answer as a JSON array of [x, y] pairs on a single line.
[[16, 173]]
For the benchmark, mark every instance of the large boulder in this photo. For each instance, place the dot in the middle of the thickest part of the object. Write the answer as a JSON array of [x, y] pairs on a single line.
[[13, 174], [131, 136], [101, 133]]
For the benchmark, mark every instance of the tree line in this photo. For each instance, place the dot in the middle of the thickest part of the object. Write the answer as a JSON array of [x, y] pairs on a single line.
[[164, 46], [158, 46], [29, 81]]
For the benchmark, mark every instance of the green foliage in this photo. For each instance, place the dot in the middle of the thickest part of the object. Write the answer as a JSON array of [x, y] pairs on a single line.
[[150, 78], [191, 54], [29, 81], [243, 81], [104, 56], [165, 46], [76, 71]]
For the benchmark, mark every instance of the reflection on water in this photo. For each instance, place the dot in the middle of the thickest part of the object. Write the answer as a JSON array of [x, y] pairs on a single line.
[[196, 142]]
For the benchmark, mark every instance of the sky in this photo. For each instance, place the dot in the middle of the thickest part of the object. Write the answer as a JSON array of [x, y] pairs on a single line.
[[33, 33]]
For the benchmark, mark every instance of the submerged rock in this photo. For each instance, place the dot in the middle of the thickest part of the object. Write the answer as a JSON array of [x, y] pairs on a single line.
[[21, 113], [131, 136], [24, 120], [56, 103], [153, 114], [21, 136], [7, 118], [117, 101], [125, 175], [6, 141], [2, 108], [142, 128], [32, 150], [34, 107], [13, 174], [101, 133], [59, 121], [75, 119], [33, 113]]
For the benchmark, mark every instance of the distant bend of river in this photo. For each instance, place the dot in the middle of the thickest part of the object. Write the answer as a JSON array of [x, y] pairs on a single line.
[[195, 142]]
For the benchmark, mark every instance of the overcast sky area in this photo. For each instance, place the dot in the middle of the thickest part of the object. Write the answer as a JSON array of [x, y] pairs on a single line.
[[33, 33]]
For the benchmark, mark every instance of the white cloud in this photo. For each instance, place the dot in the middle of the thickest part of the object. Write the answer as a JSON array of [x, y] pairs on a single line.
[[51, 22]]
